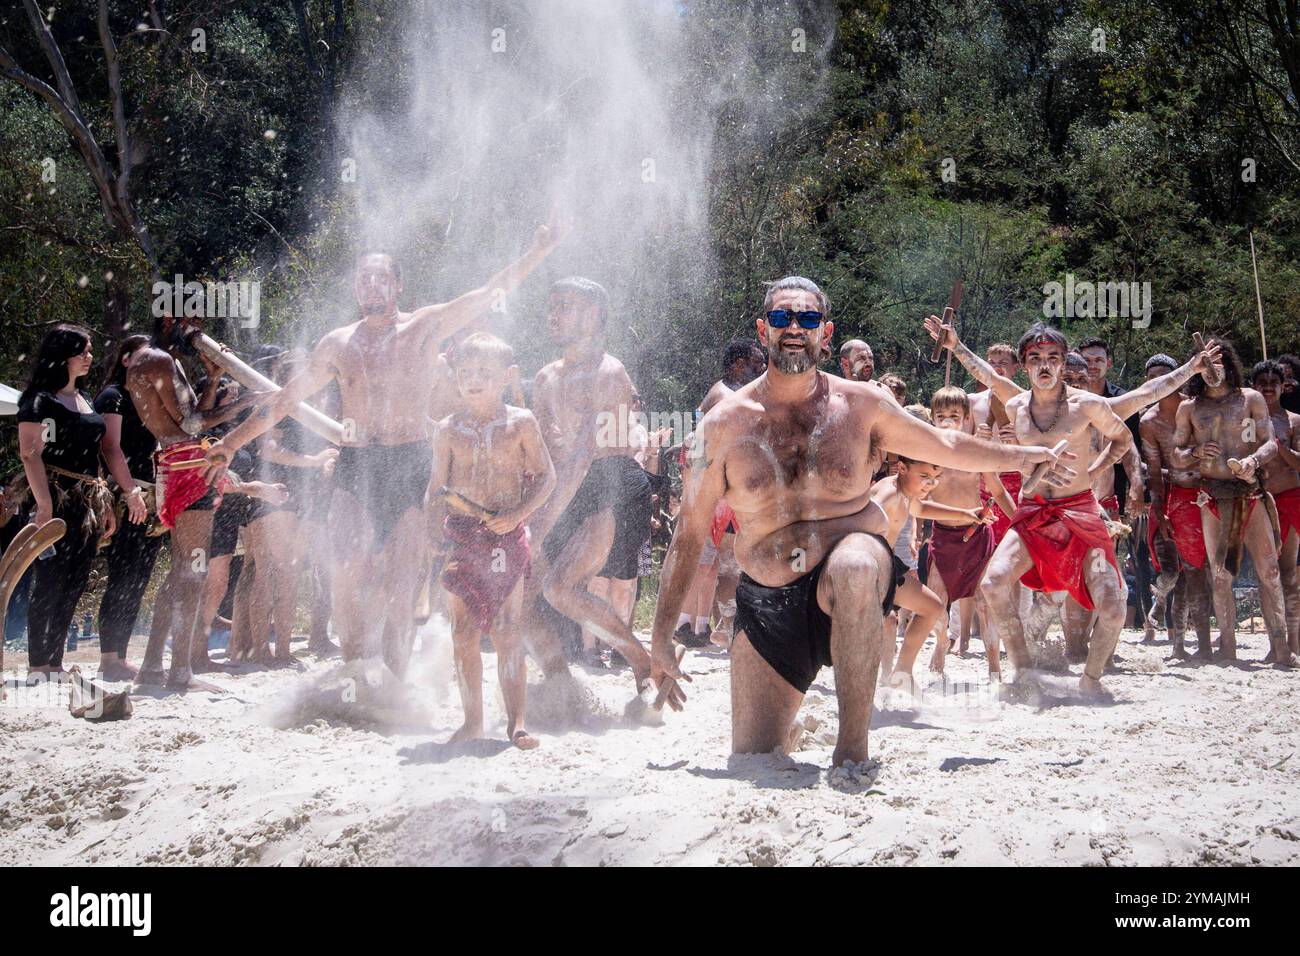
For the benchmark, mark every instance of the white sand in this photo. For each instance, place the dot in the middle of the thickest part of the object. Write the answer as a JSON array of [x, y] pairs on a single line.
[[1189, 767]]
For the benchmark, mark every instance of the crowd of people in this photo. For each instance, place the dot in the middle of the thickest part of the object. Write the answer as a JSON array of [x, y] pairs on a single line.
[[809, 519]]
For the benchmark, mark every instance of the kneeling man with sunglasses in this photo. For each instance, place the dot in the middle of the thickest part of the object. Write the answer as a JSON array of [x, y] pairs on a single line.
[[792, 453]]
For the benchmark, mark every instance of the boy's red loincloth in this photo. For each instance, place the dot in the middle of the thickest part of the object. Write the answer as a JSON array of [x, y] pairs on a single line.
[[180, 480], [1001, 522], [1059, 533], [1184, 516], [1288, 512], [482, 567], [1110, 504], [960, 563]]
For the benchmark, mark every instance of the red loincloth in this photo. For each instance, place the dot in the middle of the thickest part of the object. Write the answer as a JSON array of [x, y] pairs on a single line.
[[1001, 522], [960, 563], [179, 483], [724, 520], [1059, 533], [477, 572], [1184, 516], [1111, 505], [1288, 512]]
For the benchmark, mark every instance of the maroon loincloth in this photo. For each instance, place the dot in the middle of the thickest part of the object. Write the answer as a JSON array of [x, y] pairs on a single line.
[[1059, 533], [482, 567], [960, 563]]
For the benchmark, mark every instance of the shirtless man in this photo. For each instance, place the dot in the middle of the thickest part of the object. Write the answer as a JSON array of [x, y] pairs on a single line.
[[857, 361], [1282, 481], [492, 455], [1123, 404], [170, 410], [1224, 423], [599, 514], [795, 445], [1177, 583], [385, 371], [959, 553]]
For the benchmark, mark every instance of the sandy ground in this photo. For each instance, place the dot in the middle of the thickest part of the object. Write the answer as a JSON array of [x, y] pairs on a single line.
[[1192, 765]]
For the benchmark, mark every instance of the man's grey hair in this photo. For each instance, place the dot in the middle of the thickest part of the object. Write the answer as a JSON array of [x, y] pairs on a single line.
[[852, 345], [795, 282]]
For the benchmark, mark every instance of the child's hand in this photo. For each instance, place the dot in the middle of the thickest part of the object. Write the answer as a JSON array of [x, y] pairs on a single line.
[[503, 523]]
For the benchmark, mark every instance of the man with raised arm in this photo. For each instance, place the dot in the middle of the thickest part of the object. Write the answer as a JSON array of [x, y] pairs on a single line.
[[1225, 432], [384, 366], [795, 446]]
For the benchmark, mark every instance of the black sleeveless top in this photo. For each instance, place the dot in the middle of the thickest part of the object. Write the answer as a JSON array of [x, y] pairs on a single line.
[[72, 438], [138, 443]]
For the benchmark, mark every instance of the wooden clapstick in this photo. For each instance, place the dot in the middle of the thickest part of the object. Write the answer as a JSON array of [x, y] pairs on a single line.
[[949, 316], [1036, 476], [466, 506]]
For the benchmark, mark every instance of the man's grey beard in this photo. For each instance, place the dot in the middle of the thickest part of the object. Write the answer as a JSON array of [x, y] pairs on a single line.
[[793, 363]]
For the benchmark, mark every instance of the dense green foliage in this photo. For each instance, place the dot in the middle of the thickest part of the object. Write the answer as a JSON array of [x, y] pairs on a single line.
[[1115, 164]]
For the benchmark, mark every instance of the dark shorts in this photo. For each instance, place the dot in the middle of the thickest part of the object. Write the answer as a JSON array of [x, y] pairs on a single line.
[[226, 522], [386, 480], [787, 626], [617, 484]]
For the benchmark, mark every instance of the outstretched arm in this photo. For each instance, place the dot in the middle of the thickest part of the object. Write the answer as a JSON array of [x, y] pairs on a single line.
[[899, 432], [434, 323], [1150, 392], [273, 408], [984, 373]]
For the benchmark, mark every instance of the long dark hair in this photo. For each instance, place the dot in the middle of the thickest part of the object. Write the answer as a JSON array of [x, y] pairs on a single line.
[[128, 346], [1233, 376], [50, 367]]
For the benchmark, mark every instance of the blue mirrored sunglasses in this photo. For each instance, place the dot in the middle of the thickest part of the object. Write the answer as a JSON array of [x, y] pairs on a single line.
[[781, 318]]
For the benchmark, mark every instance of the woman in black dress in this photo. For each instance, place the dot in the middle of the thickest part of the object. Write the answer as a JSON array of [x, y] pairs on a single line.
[[60, 439]]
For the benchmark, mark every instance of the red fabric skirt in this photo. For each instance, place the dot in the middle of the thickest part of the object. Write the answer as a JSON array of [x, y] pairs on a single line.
[[1288, 512], [960, 563], [180, 483], [1059, 533], [482, 567]]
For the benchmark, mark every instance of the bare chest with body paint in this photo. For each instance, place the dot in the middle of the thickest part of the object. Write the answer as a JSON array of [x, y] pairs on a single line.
[[1225, 420], [386, 379], [488, 459], [1065, 420], [1279, 476]]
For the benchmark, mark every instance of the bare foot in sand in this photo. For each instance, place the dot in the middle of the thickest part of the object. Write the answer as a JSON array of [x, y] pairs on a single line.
[[721, 639], [285, 660], [1180, 654], [323, 648], [116, 669], [204, 665], [524, 740], [154, 677], [464, 733], [1091, 689]]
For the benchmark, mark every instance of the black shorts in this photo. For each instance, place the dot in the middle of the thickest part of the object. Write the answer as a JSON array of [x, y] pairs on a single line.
[[617, 484], [226, 522], [386, 480], [788, 628]]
